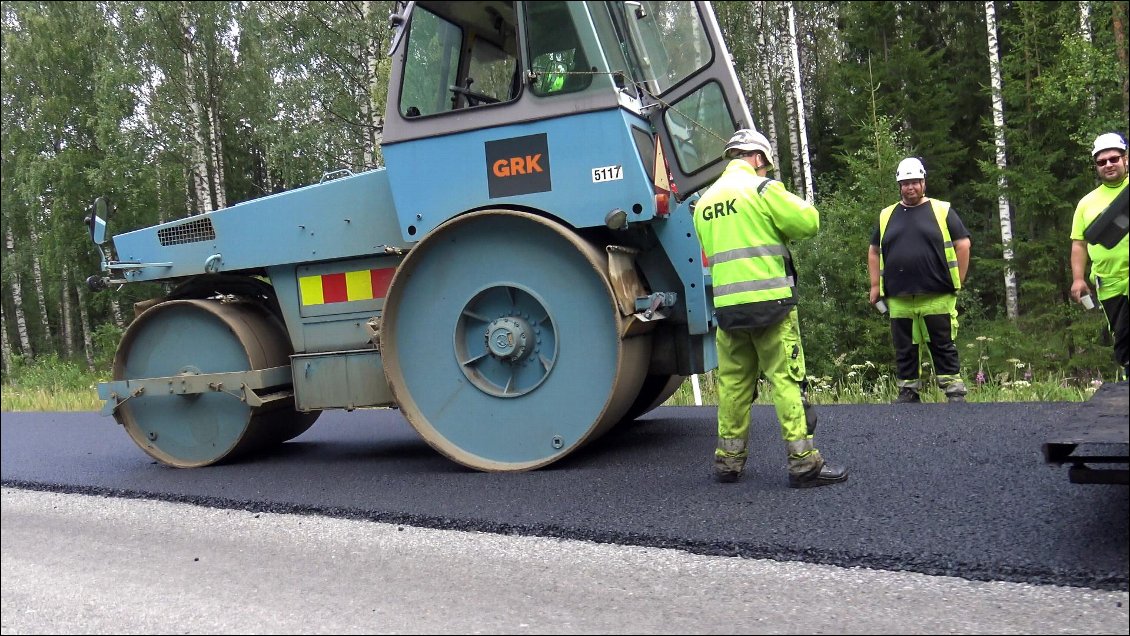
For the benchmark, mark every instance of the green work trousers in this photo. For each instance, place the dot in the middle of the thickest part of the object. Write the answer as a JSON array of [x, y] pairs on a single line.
[[743, 356]]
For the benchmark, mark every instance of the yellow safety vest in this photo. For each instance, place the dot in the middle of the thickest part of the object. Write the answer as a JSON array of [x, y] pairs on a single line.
[[941, 211]]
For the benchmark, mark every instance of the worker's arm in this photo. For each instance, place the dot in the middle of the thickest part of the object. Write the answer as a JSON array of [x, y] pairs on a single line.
[[873, 272], [1079, 261], [961, 247], [794, 217]]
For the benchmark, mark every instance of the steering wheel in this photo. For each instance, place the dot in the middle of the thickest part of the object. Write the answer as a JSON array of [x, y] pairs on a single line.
[[473, 98]]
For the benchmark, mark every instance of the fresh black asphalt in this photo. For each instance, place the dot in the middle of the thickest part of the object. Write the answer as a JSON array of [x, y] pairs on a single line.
[[945, 489]]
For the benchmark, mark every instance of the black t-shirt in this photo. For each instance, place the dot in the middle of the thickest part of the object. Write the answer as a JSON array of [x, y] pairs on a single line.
[[914, 261]]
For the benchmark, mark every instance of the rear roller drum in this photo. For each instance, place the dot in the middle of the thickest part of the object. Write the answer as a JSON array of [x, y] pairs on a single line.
[[501, 342], [654, 392], [191, 337]]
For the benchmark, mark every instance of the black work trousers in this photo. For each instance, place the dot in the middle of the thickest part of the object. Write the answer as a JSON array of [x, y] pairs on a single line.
[[943, 350], [1118, 317]]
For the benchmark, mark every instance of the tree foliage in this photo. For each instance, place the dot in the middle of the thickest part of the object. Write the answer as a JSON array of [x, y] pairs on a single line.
[[137, 99]]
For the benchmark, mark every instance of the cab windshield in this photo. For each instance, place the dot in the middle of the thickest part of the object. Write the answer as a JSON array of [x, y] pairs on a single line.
[[667, 39], [667, 44]]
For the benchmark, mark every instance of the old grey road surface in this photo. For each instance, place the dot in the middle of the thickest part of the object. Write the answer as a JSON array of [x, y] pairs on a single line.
[[951, 522]]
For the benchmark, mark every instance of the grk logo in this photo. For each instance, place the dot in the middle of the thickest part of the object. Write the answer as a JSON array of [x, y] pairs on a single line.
[[519, 165]]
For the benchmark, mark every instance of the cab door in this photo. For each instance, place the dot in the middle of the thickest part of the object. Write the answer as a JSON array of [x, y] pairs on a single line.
[[684, 62]]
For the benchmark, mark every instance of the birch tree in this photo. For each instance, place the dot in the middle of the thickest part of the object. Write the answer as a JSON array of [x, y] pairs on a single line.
[[84, 325], [368, 99], [1003, 208], [784, 60], [37, 278], [798, 96], [770, 125], [5, 348], [199, 150], [1085, 31], [17, 296], [68, 330]]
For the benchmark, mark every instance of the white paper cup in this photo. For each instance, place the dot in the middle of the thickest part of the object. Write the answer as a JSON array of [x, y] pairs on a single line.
[[1087, 302], [881, 306]]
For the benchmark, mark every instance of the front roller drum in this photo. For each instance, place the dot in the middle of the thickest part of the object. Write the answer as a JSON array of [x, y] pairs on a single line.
[[189, 337], [503, 343]]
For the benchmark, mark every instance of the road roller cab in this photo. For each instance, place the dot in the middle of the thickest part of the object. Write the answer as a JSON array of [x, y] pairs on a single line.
[[522, 275]]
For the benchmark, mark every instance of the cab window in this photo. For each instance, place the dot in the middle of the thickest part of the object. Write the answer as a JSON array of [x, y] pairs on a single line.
[[557, 58], [459, 55], [700, 123]]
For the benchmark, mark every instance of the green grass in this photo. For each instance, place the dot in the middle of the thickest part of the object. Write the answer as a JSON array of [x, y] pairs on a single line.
[[50, 384], [857, 388]]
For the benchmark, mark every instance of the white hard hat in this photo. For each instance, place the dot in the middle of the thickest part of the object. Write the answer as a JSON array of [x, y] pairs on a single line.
[[910, 168], [745, 140], [1108, 141]]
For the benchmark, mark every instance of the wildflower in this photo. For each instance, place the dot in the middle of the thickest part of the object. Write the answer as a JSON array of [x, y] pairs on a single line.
[[852, 374], [981, 338], [1028, 375], [980, 378]]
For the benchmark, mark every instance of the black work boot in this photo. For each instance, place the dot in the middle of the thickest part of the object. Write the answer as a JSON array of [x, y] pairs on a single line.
[[727, 470], [723, 476], [825, 475], [907, 395]]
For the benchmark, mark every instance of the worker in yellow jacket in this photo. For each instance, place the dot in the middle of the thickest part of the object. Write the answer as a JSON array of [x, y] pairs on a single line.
[[1110, 267], [744, 222]]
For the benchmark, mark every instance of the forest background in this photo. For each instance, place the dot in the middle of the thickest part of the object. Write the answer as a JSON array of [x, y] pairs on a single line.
[[177, 108]]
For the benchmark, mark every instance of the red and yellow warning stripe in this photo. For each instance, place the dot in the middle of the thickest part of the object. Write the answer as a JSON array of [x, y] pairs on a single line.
[[342, 287]]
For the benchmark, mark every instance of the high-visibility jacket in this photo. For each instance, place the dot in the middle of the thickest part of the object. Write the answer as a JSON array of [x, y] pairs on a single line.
[[941, 211], [743, 222], [1110, 268]]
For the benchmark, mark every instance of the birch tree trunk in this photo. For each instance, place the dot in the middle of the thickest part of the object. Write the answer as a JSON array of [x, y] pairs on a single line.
[[798, 96], [1085, 31], [37, 277], [18, 299], [198, 169], [116, 311], [1011, 300], [218, 185], [370, 110], [5, 349], [68, 325], [790, 112], [190, 192], [766, 87], [84, 324]]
